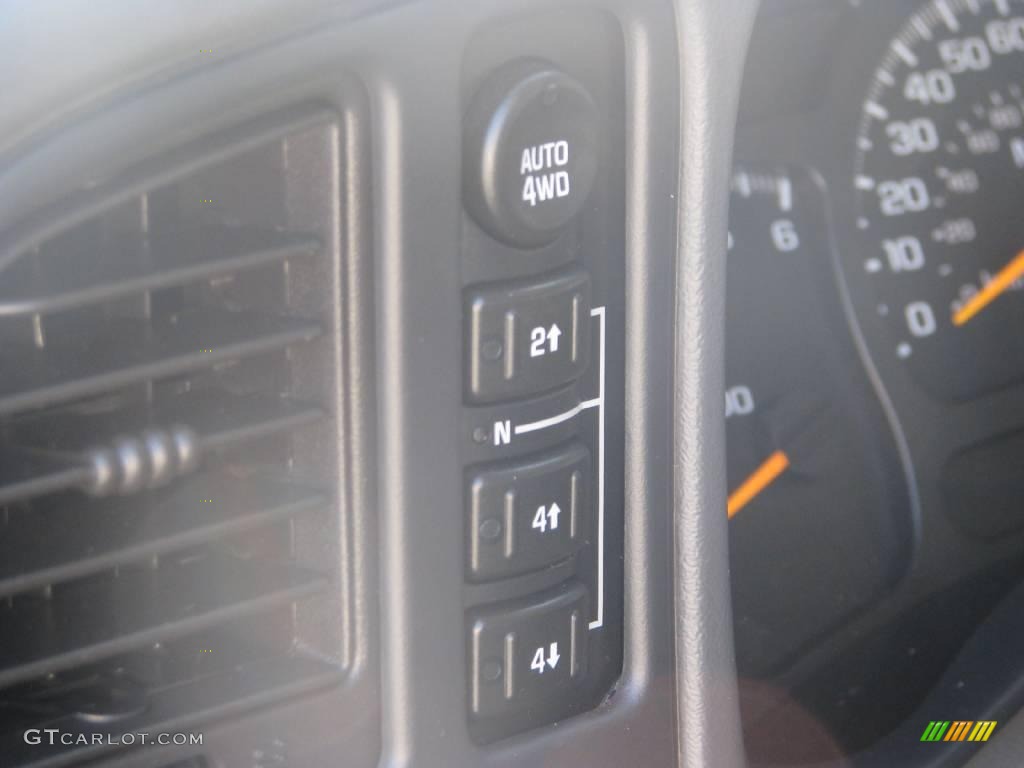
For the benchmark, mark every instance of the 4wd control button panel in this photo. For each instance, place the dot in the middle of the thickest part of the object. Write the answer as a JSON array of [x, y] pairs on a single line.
[[529, 657], [527, 338], [529, 514]]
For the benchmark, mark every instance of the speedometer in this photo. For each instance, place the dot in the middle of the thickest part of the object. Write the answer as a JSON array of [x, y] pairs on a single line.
[[939, 182]]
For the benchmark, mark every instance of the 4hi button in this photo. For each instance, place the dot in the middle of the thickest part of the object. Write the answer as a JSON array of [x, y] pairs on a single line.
[[530, 154], [528, 514]]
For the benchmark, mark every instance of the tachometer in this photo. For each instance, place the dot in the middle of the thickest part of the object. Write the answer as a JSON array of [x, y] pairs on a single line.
[[817, 507], [940, 187]]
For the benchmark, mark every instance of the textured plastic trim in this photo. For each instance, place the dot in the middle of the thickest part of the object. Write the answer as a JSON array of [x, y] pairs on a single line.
[[712, 46]]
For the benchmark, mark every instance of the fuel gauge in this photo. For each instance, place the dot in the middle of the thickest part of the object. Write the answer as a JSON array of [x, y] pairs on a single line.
[[818, 512]]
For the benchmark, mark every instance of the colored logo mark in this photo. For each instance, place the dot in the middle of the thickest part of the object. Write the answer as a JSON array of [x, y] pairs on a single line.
[[958, 730]]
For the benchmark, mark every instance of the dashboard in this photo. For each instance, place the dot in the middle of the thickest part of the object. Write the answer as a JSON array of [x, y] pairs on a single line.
[[362, 368], [873, 363]]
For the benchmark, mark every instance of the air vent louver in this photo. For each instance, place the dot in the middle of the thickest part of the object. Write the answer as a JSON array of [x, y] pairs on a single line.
[[169, 355]]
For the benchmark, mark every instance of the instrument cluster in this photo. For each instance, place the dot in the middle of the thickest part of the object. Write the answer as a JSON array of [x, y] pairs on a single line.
[[874, 357]]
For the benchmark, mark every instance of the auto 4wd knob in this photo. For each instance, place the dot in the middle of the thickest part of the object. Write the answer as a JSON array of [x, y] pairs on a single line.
[[531, 153]]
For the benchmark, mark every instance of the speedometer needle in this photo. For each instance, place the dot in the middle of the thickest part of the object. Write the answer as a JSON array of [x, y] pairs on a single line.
[[1006, 277], [761, 478]]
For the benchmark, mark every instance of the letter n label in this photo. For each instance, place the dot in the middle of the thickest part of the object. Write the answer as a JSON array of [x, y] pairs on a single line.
[[502, 432]]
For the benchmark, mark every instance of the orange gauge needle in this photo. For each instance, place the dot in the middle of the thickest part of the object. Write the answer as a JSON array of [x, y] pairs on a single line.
[[761, 478], [1007, 276]]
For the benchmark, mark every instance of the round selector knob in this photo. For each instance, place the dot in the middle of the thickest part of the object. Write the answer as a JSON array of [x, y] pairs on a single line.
[[531, 153]]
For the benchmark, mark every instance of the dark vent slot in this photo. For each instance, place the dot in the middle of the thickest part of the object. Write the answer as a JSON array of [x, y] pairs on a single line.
[[88, 621], [67, 450], [182, 706], [130, 264], [191, 762], [201, 509], [170, 348], [125, 352]]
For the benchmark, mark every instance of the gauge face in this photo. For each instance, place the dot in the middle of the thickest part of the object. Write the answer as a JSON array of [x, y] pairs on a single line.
[[939, 181], [816, 529]]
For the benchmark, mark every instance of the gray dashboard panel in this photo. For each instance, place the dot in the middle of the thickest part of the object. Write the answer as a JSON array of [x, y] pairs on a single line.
[[712, 49], [102, 74], [67, 58], [1006, 746], [708, 722], [90, 113]]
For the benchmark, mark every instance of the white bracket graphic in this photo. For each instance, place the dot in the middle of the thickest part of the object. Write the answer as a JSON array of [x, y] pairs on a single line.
[[599, 312], [503, 432]]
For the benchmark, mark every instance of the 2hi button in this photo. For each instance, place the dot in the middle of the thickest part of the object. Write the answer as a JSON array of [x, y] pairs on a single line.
[[530, 154], [526, 338]]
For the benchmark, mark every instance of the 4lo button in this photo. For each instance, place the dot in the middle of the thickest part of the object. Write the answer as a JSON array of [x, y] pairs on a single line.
[[530, 656]]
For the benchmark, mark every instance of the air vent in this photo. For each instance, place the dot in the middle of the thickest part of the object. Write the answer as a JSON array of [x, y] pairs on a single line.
[[170, 348]]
